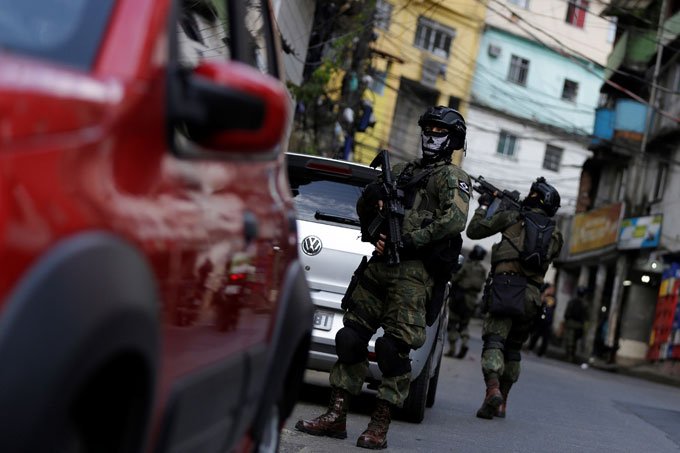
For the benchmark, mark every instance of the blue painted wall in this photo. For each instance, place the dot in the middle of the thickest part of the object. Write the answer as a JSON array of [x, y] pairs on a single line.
[[541, 99]]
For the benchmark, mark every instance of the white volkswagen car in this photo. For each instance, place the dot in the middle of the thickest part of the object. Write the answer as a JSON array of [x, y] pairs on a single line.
[[325, 194]]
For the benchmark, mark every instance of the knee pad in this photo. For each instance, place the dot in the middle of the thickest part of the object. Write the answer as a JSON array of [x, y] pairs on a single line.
[[351, 345], [387, 352], [493, 341]]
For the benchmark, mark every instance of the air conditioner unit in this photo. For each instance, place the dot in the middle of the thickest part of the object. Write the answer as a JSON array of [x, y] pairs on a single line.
[[493, 50], [431, 70]]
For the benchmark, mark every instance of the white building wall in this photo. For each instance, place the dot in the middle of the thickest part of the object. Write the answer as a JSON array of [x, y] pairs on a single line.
[[670, 207], [519, 171], [295, 19], [594, 40]]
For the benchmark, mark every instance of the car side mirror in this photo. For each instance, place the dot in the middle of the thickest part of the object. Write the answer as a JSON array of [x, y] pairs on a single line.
[[225, 107]]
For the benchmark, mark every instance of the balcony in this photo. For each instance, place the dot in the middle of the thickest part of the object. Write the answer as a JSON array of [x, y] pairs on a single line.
[[625, 123], [634, 50]]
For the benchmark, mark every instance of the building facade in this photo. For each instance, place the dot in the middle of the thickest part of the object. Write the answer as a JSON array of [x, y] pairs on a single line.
[[423, 56], [536, 86], [624, 240]]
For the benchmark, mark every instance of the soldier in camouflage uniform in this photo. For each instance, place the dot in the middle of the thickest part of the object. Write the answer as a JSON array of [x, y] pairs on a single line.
[[395, 297], [574, 321], [503, 336], [465, 287]]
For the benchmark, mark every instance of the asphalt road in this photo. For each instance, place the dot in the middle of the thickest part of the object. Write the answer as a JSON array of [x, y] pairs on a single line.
[[555, 407]]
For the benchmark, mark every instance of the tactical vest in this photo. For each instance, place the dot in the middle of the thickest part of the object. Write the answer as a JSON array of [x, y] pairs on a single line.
[[472, 276], [421, 196], [503, 250], [505, 255]]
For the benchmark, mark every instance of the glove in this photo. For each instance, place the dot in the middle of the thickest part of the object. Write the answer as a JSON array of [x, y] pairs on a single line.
[[372, 193], [485, 199]]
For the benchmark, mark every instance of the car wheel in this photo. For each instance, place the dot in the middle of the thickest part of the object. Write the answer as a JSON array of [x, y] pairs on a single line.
[[414, 407], [271, 432], [432, 390]]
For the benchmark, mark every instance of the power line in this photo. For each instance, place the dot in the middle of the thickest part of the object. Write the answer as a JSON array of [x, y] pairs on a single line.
[[470, 77], [571, 56], [550, 35], [459, 50]]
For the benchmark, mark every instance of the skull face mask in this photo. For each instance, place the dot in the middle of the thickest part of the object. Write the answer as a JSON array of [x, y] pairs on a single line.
[[434, 143]]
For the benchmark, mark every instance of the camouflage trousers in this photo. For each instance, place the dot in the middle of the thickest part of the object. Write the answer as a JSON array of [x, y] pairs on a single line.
[[503, 338], [458, 328], [392, 298]]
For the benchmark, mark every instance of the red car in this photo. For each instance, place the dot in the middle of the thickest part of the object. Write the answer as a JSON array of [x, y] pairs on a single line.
[[151, 296]]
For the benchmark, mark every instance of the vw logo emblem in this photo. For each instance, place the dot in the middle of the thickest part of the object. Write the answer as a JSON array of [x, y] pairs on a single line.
[[311, 245]]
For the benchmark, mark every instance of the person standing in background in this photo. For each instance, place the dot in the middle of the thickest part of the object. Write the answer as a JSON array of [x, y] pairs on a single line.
[[465, 287], [543, 330], [574, 321]]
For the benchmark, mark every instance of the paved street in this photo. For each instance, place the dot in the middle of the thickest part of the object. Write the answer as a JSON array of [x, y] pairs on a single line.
[[555, 407]]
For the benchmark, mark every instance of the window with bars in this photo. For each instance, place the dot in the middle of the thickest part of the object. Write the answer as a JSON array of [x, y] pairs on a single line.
[[519, 69], [434, 37], [383, 14], [552, 158], [570, 90], [507, 143], [576, 12]]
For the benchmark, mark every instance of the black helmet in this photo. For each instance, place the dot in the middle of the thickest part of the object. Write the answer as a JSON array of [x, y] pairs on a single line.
[[449, 119], [544, 196], [477, 253]]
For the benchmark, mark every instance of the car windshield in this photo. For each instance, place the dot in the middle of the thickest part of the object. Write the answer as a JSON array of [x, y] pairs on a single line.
[[64, 31], [330, 201]]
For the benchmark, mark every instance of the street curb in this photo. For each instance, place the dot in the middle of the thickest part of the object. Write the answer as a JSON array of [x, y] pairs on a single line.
[[641, 371]]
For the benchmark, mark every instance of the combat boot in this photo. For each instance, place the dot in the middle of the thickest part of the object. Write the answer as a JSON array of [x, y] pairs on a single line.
[[332, 423], [462, 352], [492, 400], [375, 436], [505, 389], [452, 350]]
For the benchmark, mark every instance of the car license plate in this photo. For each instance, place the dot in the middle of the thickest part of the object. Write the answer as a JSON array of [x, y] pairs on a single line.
[[323, 320]]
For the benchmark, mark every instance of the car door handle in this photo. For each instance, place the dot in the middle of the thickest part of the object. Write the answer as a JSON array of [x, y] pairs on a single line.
[[249, 226]]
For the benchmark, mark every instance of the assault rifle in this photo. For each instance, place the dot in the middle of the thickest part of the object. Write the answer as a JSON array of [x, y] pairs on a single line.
[[503, 199], [393, 209]]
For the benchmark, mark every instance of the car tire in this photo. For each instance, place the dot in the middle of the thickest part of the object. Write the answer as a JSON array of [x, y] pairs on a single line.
[[432, 388], [413, 409], [271, 432]]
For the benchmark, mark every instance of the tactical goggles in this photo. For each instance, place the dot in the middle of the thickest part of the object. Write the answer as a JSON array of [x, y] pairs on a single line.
[[430, 133]]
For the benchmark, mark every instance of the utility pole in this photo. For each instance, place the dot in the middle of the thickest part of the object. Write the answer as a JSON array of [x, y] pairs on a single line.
[[640, 174], [623, 263]]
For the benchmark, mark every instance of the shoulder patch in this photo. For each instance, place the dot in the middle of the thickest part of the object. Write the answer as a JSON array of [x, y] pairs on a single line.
[[463, 186]]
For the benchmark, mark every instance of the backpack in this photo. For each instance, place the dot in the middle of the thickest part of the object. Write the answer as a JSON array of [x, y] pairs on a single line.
[[537, 234], [538, 230]]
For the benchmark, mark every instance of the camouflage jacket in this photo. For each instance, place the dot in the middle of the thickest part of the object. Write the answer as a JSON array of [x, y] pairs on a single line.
[[438, 200], [505, 256], [470, 277], [439, 205]]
